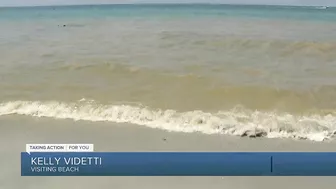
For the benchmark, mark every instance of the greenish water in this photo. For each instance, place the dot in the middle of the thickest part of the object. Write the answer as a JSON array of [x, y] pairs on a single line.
[[171, 10]]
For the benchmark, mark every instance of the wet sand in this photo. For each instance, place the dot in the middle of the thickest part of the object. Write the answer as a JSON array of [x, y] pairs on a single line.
[[16, 131]]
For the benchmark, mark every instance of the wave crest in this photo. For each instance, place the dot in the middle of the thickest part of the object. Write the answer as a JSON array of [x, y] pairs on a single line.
[[238, 121]]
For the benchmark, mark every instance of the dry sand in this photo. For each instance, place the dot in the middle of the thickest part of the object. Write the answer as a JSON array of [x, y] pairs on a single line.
[[16, 131]]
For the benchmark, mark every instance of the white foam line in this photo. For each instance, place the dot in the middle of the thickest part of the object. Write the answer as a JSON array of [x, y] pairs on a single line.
[[234, 122]]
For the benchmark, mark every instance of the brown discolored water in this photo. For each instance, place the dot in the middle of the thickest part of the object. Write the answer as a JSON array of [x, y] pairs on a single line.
[[275, 75]]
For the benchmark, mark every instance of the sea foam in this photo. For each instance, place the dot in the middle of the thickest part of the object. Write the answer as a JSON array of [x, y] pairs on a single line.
[[238, 121]]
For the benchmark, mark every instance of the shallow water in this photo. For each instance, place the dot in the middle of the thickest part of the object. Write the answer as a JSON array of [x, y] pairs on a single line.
[[267, 68]]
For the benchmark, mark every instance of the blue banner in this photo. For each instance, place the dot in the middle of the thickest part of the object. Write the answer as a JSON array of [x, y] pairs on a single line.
[[177, 164]]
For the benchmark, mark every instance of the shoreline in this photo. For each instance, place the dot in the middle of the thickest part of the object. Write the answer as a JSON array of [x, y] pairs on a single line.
[[142, 138], [16, 131]]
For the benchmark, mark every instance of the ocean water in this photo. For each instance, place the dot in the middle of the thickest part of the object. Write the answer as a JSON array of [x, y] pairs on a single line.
[[265, 71]]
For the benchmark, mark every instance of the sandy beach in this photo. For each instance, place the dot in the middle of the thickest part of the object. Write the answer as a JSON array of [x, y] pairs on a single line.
[[184, 77], [19, 130]]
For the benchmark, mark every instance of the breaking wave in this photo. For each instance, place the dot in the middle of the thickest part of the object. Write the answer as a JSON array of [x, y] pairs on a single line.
[[237, 121]]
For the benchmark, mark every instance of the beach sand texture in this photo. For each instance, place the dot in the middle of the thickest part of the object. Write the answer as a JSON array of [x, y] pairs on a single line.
[[167, 78]]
